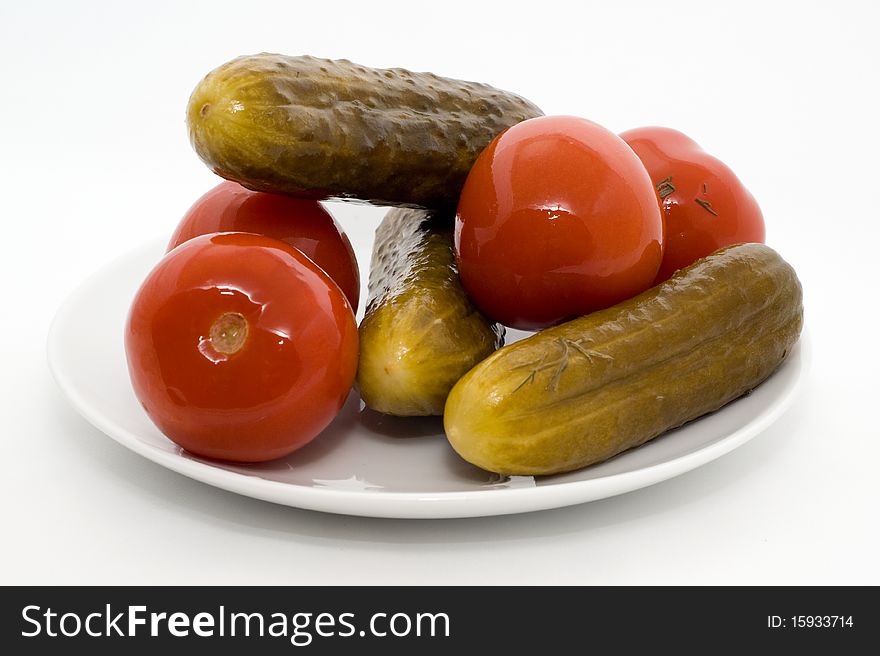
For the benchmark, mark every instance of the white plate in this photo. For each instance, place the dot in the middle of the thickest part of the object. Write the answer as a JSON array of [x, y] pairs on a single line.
[[366, 463]]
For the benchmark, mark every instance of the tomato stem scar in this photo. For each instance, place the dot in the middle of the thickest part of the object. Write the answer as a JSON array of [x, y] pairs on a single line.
[[665, 187], [229, 332], [706, 205]]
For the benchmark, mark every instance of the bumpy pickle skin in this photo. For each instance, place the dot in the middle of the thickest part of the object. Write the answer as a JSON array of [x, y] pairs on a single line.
[[586, 390], [324, 128], [421, 332]]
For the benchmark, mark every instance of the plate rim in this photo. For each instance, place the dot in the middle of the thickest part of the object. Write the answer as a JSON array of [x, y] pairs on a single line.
[[412, 505]]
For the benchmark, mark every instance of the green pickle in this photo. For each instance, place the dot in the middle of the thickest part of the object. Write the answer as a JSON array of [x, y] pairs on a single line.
[[325, 128], [421, 332], [581, 392]]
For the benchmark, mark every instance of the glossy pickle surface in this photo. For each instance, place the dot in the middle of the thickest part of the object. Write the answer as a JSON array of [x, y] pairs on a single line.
[[421, 332], [586, 390], [325, 128]]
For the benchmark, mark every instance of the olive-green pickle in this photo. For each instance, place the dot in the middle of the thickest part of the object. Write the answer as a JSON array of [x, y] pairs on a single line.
[[584, 391], [421, 332], [324, 128]]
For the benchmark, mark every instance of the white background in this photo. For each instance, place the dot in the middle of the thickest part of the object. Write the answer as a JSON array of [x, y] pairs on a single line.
[[94, 160]]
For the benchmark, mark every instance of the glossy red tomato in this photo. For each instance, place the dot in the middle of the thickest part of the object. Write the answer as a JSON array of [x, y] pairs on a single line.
[[240, 347], [705, 205], [304, 224], [557, 218]]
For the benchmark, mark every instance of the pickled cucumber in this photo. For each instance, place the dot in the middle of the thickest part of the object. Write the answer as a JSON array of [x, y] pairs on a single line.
[[583, 391], [421, 332], [333, 129]]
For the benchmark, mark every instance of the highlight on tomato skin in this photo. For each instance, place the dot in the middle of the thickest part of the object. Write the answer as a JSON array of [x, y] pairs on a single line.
[[557, 218], [302, 223], [240, 348], [705, 205]]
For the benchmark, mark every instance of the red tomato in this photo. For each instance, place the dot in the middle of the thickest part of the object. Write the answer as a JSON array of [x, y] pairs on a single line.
[[705, 206], [557, 218], [240, 347], [304, 224]]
